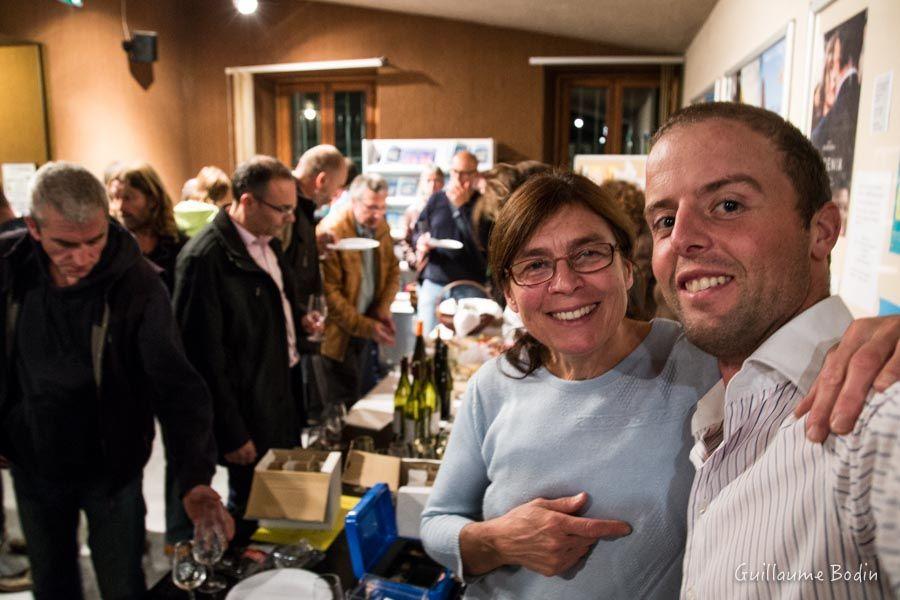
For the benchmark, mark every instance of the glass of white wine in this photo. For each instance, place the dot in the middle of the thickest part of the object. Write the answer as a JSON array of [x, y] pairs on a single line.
[[317, 309], [208, 548], [187, 572]]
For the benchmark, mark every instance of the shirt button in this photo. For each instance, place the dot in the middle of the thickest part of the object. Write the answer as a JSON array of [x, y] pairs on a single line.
[[690, 595], [703, 509]]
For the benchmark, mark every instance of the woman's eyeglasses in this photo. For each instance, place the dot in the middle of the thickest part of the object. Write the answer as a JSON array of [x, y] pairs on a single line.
[[587, 259]]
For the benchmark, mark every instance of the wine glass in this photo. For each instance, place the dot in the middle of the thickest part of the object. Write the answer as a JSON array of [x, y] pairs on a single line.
[[327, 587], [187, 572], [398, 448], [208, 548], [333, 416], [317, 310]]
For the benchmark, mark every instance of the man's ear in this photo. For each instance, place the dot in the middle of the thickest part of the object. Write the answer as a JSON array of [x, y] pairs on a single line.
[[321, 180], [246, 199], [824, 230], [33, 228]]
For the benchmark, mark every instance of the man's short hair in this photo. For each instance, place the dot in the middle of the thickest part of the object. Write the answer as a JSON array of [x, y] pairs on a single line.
[[254, 175], [323, 157], [367, 181], [468, 156], [69, 189], [801, 162]]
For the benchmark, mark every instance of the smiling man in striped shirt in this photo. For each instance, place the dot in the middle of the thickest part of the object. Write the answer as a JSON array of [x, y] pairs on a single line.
[[740, 208]]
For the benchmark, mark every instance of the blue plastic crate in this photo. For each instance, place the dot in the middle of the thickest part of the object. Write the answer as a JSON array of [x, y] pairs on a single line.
[[371, 529]]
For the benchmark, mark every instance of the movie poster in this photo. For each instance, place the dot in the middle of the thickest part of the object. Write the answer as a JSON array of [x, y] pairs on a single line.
[[835, 105]]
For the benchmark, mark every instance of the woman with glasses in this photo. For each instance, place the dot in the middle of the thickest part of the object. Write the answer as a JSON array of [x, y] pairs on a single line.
[[586, 418]]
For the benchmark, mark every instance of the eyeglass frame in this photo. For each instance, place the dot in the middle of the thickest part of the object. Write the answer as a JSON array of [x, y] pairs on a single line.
[[282, 210], [555, 260], [466, 174]]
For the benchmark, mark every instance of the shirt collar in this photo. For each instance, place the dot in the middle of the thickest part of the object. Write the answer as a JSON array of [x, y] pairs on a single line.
[[248, 238], [798, 349], [710, 411], [363, 231]]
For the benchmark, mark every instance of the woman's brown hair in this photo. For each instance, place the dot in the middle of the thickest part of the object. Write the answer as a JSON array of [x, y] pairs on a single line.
[[530, 205]]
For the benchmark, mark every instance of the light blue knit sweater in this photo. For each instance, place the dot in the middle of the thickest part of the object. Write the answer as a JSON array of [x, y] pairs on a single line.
[[623, 438]]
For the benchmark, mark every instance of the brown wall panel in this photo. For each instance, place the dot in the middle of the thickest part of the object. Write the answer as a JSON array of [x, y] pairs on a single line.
[[445, 79], [97, 110]]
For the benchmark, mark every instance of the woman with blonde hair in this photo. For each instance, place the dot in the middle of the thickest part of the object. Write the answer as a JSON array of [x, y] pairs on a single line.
[[211, 192]]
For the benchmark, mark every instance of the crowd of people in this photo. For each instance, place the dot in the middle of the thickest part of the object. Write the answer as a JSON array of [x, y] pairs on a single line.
[[568, 472]]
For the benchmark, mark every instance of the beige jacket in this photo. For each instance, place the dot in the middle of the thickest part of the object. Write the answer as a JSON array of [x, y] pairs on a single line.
[[341, 280]]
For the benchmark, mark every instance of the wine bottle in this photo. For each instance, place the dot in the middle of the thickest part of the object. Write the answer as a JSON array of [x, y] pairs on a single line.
[[440, 379], [419, 348], [433, 399], [446, 383], [413, 406], [401, 397]]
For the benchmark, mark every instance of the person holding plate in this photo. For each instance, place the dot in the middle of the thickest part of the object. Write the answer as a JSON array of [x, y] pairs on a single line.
[[360, 280], [449, 246]]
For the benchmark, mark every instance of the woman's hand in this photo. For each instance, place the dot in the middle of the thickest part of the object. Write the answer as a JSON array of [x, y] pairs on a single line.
[[541, 535]]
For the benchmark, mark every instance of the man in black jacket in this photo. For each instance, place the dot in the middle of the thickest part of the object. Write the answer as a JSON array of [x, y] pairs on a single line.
[[235, 303], [91, 354], [320, 173]]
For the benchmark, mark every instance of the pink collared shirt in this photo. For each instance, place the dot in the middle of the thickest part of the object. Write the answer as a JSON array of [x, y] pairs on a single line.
[[264, 256]]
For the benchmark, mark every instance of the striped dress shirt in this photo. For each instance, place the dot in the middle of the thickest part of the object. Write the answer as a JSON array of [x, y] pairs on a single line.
[[772, 515]]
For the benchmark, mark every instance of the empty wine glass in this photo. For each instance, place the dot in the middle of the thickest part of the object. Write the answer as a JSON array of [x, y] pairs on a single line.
[[317, 310], [362, 443], [398, 449], [208, 548], [333, 416], [187, 572]]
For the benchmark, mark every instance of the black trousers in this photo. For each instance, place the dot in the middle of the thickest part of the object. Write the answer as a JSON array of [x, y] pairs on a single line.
[[240, 477], [348, 380]]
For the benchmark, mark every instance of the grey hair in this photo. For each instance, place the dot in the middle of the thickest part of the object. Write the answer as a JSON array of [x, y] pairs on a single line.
[[323, 157], [367, 181], [69, 189]]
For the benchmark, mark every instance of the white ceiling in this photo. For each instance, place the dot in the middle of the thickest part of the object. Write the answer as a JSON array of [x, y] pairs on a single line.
[[643, 25]]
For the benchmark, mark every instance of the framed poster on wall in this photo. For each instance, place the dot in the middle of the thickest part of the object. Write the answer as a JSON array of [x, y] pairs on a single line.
[[836, 72]]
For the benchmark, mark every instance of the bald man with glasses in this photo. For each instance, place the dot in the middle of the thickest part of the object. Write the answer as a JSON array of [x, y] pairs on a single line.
[[448, 215]]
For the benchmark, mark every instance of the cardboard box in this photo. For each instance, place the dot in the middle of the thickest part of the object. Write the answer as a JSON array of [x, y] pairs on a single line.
[[365, 469], [296, 489], [411, 500], [410, 478]]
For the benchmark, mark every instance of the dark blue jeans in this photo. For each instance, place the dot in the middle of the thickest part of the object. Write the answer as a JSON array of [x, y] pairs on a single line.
[[49, 515]]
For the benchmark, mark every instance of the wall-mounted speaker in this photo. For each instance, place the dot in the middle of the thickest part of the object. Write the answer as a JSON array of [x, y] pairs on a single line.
[[141, 47]]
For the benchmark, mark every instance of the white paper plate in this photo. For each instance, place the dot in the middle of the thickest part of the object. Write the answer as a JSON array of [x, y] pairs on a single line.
[[447, 244], [355, 244], [281, 584]]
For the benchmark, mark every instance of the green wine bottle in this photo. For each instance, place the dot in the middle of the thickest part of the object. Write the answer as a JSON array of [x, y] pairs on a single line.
[[411, 413], [432, 411], [401, 397]]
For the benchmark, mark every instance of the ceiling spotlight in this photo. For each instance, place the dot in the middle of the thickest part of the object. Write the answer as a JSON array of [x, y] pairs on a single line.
[[246, 7], [578, 123]]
